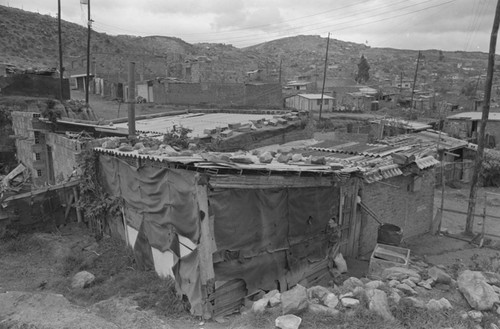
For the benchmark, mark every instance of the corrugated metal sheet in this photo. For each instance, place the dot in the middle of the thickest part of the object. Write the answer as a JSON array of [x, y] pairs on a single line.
[[426, 162]]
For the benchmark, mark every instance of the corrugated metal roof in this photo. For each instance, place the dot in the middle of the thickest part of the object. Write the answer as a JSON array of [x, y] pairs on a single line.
[[314, 96], [197, 122]]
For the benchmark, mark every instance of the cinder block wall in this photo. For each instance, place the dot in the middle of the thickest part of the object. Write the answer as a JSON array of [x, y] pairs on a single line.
[[65, 155], [412, 211], [27, 147]]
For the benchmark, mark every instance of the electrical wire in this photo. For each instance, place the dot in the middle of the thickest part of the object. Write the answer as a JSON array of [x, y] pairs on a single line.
[[324, 24]]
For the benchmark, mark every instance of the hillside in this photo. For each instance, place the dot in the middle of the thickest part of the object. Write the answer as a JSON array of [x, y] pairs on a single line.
[[30, 40]]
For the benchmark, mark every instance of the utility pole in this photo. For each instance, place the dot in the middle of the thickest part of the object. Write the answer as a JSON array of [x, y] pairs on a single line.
[[324, 76], [469, 224], [279, 79], [89, 29], [131, 100], [400, 84], [59, 32], [414, 82]]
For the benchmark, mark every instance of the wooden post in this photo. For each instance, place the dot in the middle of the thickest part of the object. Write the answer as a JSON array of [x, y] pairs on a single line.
[[78, 211], [131, 100], [324, 76], [205, 250]]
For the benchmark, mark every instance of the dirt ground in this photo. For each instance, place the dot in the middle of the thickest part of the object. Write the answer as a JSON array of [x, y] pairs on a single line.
[[109, 109]]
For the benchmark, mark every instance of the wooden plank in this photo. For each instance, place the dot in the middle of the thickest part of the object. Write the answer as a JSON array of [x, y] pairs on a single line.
[[41, 191], [271, 181], [205, 251]]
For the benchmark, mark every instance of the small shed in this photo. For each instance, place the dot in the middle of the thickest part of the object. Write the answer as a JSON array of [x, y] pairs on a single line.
[[227, 225], [310, 102]]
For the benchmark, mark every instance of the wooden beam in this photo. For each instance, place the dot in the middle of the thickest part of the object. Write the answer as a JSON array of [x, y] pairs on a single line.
[[205, 251], [41, 191], [465, 213]]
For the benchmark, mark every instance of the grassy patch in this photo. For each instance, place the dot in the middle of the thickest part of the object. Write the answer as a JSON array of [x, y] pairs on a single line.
[[416, 318], [114, 267], [22, 244]]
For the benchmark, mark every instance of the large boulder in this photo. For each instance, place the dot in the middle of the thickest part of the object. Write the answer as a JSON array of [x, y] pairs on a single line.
[[400, 273], [288, 321], [478, 293], [82, 279], [438, 275], [377, 302], [294, 301]]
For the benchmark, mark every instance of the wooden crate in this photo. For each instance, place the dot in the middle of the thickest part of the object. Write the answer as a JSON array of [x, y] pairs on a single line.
[[385, 256]]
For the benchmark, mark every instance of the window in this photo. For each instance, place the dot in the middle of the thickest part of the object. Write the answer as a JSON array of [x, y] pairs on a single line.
[[38, 156], [37, 137], [318, 102], [326, 101], [39, 173]]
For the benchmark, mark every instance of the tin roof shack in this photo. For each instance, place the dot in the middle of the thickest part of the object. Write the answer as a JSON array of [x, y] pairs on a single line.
[[465, 126], [226, 225], [310, 102]]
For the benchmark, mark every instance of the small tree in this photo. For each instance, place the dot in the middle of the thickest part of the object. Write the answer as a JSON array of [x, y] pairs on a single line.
[[441, 56], [363, 74]]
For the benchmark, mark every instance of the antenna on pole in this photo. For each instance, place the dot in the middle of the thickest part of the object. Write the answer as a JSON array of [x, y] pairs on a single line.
[[324, 75]]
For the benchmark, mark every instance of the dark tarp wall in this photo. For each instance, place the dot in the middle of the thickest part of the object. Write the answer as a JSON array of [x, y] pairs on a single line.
[[160, 203], [267, 237], [156, 197]]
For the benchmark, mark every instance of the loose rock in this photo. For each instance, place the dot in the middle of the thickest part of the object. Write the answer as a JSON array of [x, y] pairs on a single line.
[[415, 302], [400, 273], [318, 292], [438, 305], [321, 309], [349, 302], [479, 294], [379, 304], [275, 300], [352, 283], [427, 284], [477, 316], [406, 289], [288, 321], [330, 300], [294, 301], [374, 284], [409, 282], [260, 305], [438, 275], [82, 279]]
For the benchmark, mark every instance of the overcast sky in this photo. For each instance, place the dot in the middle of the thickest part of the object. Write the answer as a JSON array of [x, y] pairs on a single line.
[[409, 24]]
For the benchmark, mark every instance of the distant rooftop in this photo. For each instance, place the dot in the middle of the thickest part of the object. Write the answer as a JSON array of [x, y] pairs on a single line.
[[474, 116], [314, 96]]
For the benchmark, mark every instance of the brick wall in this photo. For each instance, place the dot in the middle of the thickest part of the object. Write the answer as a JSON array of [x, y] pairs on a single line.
[[412, 211], [222, 94]]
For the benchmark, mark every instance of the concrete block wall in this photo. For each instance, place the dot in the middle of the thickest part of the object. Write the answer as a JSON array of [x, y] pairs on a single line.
[[397, 204], [65, 154], [27, 147]]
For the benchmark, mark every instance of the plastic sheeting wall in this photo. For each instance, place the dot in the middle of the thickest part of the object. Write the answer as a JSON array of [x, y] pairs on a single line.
[[268, 237]]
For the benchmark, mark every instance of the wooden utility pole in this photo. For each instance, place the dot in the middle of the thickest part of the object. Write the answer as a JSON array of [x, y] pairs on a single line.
[[131, 100], [279, 79], [414, 82], [469, 224], [59, 32], [89, 30], [324, 75]]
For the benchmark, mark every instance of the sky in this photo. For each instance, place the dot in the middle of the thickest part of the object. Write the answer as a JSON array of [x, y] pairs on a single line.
[[405, 24]]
